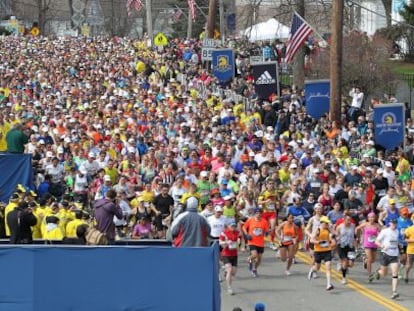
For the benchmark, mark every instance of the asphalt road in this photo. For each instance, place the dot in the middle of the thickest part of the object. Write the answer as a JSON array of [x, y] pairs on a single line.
[[296, 292]]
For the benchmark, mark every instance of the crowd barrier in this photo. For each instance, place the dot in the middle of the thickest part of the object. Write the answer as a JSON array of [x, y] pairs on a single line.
[[109, 278]]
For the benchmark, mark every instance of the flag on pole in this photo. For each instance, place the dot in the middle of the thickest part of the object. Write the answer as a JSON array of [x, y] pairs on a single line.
[[137, 4], [299, 32], [177, 14], [192, 8]]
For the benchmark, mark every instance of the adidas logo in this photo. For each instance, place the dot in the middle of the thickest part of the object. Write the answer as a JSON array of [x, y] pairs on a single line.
[[265, 78]]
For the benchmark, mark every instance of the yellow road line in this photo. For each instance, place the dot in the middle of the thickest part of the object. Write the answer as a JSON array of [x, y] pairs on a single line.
[[389, 304]]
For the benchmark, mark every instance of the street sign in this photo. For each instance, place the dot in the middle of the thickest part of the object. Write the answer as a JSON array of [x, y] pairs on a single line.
[[206, 54], [210, 43], [160, 39]]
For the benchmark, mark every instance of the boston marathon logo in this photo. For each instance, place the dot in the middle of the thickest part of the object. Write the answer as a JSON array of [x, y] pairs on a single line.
[[223, 64], [389, 123]]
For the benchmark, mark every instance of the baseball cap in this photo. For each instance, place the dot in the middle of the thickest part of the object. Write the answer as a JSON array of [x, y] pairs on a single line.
[[204, 174], [380, 171], [325, 219], [227, 198], [317, 205], [388, 164], [218, 208], [257, 210], [391, 201], [394, 220], [293, 165], [107, 178], [260, 307], [233, 224], [91, 155], [251, 154], [224, 181]]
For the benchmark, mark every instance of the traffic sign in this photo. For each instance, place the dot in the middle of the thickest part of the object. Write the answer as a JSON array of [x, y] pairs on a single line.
[[160, 39]]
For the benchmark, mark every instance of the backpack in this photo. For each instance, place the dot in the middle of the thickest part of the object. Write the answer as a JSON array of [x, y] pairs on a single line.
[[95, 237]]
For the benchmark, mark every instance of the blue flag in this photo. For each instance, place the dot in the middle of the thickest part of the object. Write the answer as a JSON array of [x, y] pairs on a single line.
[[317, 95], [389, 125], [223, 64]]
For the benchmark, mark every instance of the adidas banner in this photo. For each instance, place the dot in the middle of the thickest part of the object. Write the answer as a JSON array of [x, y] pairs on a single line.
[[317, 96], [266, 79]]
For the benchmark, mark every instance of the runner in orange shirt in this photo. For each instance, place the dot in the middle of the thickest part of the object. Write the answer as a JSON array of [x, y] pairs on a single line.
[[255, 230]]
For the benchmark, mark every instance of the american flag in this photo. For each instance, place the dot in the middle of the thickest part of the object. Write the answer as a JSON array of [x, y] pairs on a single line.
[[192, 8], [137, 4], [299, 32], [177, 14]]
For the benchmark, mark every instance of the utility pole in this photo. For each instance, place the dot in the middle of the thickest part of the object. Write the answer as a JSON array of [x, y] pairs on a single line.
[[148, 8], [211, 18], [336, 60], [222, 25], [189, 26], [299, 64]]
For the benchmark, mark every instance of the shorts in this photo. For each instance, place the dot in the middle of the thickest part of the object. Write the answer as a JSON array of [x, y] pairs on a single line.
[[269, 215], [343, 251], [322, 256], [231, 260], [386, 260], [258, 249], [410, 257], [403, 249], [374, 249], [286, 245]]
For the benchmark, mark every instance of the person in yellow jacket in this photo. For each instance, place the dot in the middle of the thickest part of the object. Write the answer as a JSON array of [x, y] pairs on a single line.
[[52, 230], [4, 129], [65, 215], [14, 201], [36, 231], [73, 225]]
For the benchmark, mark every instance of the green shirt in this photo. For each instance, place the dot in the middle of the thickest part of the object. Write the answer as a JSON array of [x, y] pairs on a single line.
[[16, 140]]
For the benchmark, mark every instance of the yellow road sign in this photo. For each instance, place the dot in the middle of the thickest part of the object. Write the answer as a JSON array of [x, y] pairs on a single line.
[[160, 39]]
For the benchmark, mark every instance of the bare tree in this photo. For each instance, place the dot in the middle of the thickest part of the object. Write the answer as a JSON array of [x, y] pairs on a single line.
[[43, 8]]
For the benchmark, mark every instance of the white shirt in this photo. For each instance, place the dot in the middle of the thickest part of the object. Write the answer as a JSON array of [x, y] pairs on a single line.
[[80, 184], [389, 240], [383, 203], [356, 98], [91, 167], [56, 173], [390, 176], [217, 225]]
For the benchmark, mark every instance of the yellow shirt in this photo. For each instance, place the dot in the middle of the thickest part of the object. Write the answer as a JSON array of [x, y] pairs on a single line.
[[284, 175], [4, 129], [54, 234], [403, 166], [111, 172], [72, 226], [409, 234], [147, 196], [9, 208], [272, 195]]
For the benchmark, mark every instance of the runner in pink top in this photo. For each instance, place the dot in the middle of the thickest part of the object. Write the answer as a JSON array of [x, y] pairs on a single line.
[[370, 229]]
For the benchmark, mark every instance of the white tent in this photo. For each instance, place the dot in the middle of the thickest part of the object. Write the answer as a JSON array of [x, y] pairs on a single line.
[[270, 30]]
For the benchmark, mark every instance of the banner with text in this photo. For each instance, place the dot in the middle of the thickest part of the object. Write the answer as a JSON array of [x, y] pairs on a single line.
[[317, 95], [389, 125], [223, 64], [266, 79]]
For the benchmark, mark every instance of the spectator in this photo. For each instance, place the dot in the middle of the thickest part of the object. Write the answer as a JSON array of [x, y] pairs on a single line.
[[20, 221]]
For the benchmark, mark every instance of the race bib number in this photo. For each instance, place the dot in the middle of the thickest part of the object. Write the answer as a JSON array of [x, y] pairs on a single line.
[[287, 238], [381, 192], [257, 231], [233, 245], [271, 207], [393, 244], [205, 193], [146, 204], [372, 238], [323, 244]]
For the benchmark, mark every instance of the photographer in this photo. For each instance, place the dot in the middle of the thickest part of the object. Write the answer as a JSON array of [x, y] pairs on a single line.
[[105, 209], [20, 221]]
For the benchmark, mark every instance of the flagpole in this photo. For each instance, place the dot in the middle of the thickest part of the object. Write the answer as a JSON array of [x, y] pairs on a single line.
[[313, 29]]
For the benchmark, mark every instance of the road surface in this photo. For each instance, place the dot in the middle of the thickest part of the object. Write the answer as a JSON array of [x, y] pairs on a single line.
[[296, 292]]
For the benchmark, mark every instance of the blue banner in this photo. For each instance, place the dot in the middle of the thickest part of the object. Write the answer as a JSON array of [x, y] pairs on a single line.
[[16, 169], [223, 64], [317, 96], [389, 125], [109, 278]]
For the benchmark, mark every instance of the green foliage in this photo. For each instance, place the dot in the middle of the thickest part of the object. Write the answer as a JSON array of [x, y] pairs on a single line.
[[4, 32]]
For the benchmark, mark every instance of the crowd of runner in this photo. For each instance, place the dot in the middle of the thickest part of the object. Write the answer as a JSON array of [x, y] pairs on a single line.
[[148, 129]]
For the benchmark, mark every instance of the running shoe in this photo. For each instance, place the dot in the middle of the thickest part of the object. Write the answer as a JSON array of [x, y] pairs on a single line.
[[406, 280], [395, 295], [343, 281], [315, 275], [250, 264], [373, 276], [287, 272], [254, 274], [230, 291], [330, 287], [294, 260], [310, 274]]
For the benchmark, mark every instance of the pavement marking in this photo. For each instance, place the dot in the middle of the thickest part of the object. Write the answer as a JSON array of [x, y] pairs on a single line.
[[363, 290]]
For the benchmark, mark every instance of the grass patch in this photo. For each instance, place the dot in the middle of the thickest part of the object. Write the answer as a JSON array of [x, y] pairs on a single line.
[[401, 67]]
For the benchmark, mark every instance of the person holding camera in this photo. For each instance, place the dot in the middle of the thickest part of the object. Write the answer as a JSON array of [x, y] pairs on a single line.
[[105, 209], [20, 221]]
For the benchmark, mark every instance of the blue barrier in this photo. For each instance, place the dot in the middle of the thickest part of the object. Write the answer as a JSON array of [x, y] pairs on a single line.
[[109, 279]]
